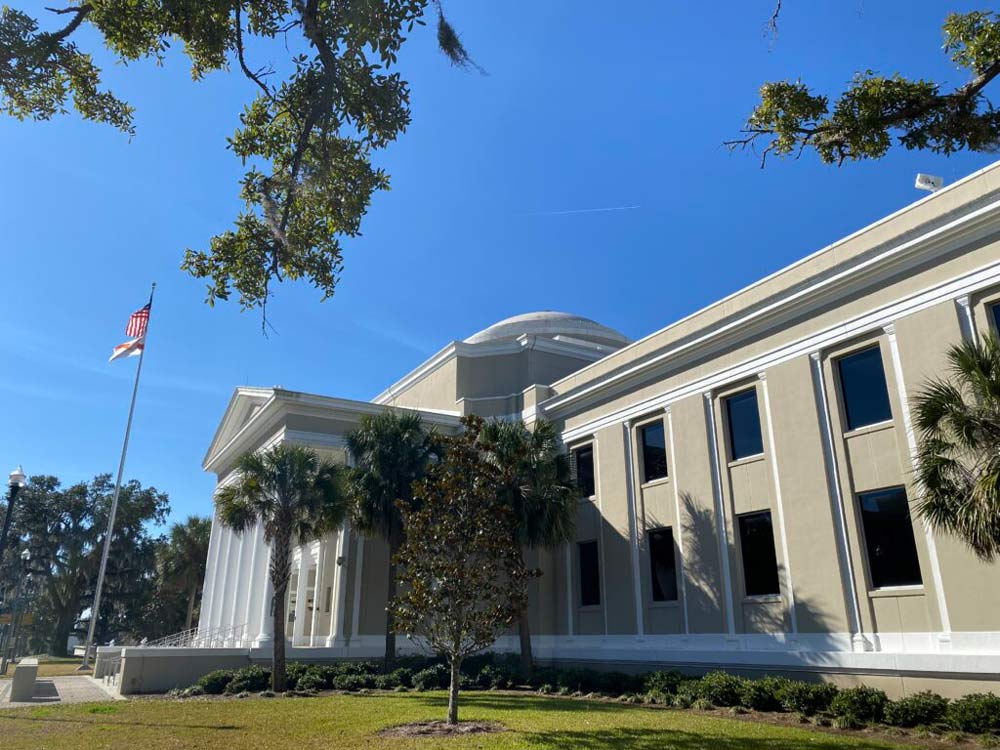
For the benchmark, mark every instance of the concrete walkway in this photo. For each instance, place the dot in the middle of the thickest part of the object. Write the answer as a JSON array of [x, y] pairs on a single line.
[[55, 690]]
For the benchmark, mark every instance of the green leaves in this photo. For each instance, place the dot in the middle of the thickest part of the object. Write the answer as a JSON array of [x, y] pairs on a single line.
[[308, 142], [875, 112]]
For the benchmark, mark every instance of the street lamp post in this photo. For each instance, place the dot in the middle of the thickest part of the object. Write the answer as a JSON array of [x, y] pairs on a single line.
[[14, 483], [15, 615]]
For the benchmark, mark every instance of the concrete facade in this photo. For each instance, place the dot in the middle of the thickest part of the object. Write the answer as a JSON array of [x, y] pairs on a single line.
[[902, 289]]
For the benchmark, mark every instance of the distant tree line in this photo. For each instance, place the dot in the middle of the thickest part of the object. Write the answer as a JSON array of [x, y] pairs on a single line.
[[153, 581]]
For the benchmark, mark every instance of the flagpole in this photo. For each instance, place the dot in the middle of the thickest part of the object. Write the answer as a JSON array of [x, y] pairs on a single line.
[[96, 608]]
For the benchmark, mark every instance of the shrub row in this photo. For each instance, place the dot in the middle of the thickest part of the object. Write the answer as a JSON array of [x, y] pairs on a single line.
[[851, 707]]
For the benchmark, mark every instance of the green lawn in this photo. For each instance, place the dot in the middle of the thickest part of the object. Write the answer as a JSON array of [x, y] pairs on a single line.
[[52, 666], [340, 722]]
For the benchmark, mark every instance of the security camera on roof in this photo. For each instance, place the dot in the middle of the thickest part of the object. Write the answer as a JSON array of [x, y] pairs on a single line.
[[929, 182]]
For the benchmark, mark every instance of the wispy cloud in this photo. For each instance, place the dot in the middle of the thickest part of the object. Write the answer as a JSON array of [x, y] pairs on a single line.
[[580, 211]]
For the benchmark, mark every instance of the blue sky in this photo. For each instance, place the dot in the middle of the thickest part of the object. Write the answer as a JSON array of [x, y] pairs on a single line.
[[582, 109]]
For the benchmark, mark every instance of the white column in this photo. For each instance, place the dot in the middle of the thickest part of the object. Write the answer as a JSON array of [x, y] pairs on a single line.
[[633, 527], [720, 511], [677, 520], [570, 599], [266, 634], [600, 533], [336, 636], [965, 318], [298, 627], [359, 565], [219, 594], [230, 575], [911, 441], [790, 589], [241, 581], [858, 640], [254, 583], [208, 587], [319, 592]]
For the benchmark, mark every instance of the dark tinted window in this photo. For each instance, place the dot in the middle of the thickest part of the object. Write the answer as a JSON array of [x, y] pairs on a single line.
[[862, 383], [654, 451], [744, 425], [590, 575], [995, 314], [760, 566], [583, 462], [662, 565], [892, 552]]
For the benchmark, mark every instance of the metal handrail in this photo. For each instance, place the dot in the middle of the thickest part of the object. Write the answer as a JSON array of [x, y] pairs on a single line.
[[229, 636]]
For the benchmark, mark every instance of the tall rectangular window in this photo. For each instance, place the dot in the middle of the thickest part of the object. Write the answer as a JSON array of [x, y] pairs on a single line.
[[583, 462], [654, 451], [662, 564], [590, 574], [862, 383], [995, 316], [760, 564], [892, 550], [744, 425]]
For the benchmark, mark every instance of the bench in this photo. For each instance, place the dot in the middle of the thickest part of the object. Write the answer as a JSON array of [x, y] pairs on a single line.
[[22, 688]]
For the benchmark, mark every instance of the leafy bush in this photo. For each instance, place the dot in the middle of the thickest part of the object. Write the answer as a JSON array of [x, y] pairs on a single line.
[[807, 698], [249, 679], [662, 684], [764, 694], [214, 683], [978, 712], [353, 682], [861, 704], [311, 681], [495, 676], [721, 688], [193, 691], [293, 672], [436, 677], [915, 710]]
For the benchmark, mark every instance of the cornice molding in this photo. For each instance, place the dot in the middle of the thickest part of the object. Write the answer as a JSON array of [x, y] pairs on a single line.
[[867, 270]]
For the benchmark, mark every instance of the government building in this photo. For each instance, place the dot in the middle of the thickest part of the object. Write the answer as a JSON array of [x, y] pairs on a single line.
[[746, 475]]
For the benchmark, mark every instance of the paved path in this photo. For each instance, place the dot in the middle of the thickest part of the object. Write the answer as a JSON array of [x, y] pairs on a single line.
[[53, 690]]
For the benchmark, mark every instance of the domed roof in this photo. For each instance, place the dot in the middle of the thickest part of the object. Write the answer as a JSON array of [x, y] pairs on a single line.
[[550, 324]]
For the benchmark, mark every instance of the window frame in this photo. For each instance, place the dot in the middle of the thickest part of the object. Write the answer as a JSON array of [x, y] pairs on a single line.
[[579, 569], [592, 447], [727, 423], [639, 431], [652, 569], [866, 550], [835, 367], [761, 596]]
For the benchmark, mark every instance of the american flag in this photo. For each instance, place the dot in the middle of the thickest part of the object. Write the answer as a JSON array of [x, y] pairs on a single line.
[[137, 323]]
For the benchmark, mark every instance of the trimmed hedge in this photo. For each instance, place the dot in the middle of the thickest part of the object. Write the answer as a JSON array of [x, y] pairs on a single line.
[[862, 705], [921, 709], [976, 713]]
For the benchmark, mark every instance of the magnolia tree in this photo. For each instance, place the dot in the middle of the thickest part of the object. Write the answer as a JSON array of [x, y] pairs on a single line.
[[463, 581]]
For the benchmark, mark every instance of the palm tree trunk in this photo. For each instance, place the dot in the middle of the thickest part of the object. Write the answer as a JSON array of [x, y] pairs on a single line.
[[456, 679], [278, 644], [190, 610], [390, 632], [281, 566], [524, 631]]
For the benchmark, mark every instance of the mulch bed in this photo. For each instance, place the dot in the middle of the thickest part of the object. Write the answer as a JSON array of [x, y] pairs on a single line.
[[441, 729]]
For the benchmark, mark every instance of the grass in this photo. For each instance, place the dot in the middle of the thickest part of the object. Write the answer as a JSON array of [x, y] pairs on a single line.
[[346, 722], [53, 666]]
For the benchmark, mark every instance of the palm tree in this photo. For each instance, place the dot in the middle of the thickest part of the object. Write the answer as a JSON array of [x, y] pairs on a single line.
[[958, 464], [183, 558], [537, 486], [391, 450], [298, 498]]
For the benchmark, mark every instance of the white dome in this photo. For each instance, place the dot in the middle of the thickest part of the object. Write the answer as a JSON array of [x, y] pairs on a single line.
[[550, 324]]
